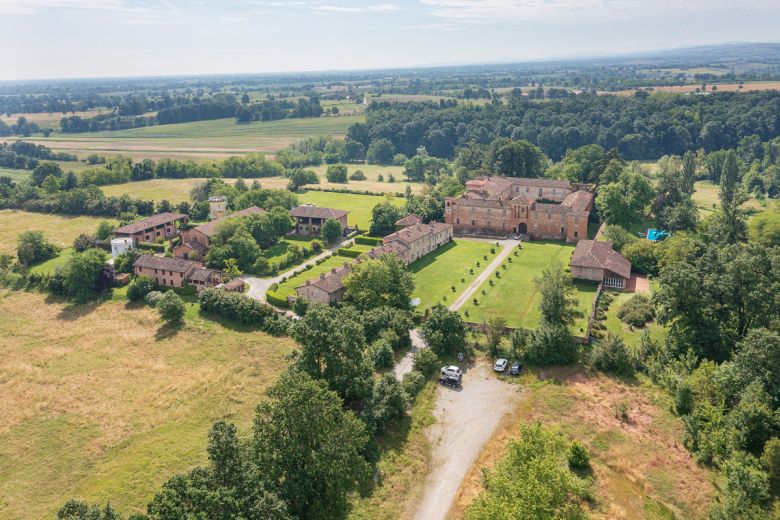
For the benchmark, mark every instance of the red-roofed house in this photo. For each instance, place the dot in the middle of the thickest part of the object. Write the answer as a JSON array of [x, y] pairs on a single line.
[[597, 261], [308, 218]]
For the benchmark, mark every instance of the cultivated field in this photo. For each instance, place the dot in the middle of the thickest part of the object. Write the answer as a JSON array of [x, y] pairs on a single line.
[[641, 468], [514, 296], [58, 229], [102, 402], [436, 273], [46, 120], [199, 139]]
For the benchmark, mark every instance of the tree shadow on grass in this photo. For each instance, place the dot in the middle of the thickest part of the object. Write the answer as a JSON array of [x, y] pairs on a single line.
[[73, 310], [168, 330], [394, 440]]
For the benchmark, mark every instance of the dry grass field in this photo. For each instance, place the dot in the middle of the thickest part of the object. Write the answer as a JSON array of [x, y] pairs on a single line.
[[706, 199], [58, 229], [724, 87], [46, 120], [101, 402], [640, 467]]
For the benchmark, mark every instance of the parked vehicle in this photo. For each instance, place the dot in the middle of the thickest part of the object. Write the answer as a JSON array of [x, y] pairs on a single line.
[[500, 365], [452, 382], [516, 368], [451, 371]]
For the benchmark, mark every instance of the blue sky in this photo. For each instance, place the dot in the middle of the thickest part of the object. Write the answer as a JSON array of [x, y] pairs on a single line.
[[98, 38]]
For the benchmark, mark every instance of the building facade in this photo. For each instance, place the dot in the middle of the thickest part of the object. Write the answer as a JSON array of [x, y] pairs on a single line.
[[162, 226], [176, 272], [309, 219], [195, 242], [540, 208]]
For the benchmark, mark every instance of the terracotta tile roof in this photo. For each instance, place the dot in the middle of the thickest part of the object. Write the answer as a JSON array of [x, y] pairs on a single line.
[[176, 265], [540, 183], [196, 246], [210, 228], [409, 220], [416, 232], [600, 255], [578, 201], [307, 211], [150, 222], [232, 285], [331, 281], [395, 246], [203, 275]]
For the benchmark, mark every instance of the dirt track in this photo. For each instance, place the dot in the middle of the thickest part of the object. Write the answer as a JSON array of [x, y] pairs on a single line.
[[465, 420]]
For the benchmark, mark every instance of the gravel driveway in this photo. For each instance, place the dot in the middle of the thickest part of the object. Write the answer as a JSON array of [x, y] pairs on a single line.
[[465, 420]]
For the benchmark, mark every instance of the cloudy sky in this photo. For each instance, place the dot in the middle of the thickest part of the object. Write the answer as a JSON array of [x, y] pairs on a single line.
[[89, 38]]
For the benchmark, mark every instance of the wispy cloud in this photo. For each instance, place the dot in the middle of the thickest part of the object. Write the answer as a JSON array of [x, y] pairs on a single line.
[[355, 9], [436, 27], [576, 10]]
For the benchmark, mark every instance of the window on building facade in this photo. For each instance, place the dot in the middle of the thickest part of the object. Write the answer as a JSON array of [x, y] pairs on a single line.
[[473, 222]]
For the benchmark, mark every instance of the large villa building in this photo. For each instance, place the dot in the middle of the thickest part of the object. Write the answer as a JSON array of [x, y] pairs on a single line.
[[540, 208], [161, 226], [309, 218]]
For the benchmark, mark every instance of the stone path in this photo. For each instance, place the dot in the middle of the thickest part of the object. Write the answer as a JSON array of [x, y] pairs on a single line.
[[508, 246]]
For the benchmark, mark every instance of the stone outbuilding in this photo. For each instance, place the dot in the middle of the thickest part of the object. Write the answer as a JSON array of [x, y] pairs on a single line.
[[597, 261], [176, 272]]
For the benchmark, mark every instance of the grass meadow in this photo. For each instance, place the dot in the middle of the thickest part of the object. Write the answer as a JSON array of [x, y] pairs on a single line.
[[199, 139], [640, 467], [706, 199], [359, 206], [514, 296], [16, 175], [100, 401], [436, 273], [58, 229], [631, 336]]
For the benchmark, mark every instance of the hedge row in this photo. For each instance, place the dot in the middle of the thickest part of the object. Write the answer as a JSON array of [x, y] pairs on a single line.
[[349, 253], [274, 298], [356, 192], [368, 241], [239, 308], [149, 246]]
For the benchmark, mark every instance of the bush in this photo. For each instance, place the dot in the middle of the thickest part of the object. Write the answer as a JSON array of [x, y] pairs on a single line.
[[368, 241], [152, 298], [238, 308], [149, 246], [139, 287], [619, 237], [380, 353], [387, 403], [32, 247], [578, 456], [261, 266], [171, 307], [612, 355], [336, 173], [643, 256], [413, 383], [550, 345], [426, 362], [357, 176], [315, 245], [349, 253], [274, 298], [637, 311]]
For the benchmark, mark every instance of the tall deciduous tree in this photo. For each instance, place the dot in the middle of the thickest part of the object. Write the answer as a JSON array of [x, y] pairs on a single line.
[[444, 331], [624, 202], [382, 282]]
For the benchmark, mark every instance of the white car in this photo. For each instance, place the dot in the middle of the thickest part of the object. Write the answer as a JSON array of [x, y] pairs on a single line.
[[451, 371], [500, 365]]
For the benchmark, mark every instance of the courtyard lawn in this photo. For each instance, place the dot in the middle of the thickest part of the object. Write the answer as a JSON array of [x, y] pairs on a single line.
[[436, 273], [103, 402], [631, 336], [514, 296], [359, 206], [58, 229], [287, 288]]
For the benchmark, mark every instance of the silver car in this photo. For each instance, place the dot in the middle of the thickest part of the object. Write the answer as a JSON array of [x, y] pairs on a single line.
[[451, 371], [500, 365]]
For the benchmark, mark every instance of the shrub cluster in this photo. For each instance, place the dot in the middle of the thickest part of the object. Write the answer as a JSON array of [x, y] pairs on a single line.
[[241, 309], [368, 241], [637, 311]]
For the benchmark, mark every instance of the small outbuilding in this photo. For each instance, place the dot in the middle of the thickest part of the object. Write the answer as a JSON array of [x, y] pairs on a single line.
[[597, 261]]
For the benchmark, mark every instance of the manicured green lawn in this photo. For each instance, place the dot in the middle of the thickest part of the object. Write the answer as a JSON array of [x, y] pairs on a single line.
[[287, 288], [50, 266], [359, 206], [514, 296], [618, 328], [436, 273], [275, 253]]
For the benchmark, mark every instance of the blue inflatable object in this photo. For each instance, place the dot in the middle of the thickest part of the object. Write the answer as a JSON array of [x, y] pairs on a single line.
[[656, 235]]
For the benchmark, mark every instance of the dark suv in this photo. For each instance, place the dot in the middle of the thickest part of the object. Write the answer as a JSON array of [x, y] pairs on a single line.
[[516, 368], [453, 382]]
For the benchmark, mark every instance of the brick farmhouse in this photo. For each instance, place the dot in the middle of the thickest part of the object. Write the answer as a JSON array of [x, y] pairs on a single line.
[[309, 219], [163, 225], [540, 208], [195, 242], [597, 261], [408, 244], [175, 272]]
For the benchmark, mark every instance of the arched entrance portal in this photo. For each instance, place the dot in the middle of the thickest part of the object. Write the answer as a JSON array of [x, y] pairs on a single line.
[[522, 229]]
